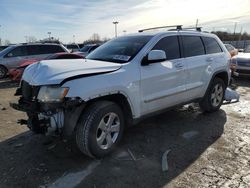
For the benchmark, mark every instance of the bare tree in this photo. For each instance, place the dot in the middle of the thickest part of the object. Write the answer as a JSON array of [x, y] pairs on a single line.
[[95, 37], [6, 42], [31, 39]]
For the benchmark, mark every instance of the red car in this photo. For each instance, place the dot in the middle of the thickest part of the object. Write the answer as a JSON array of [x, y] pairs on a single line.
[[16, 74]]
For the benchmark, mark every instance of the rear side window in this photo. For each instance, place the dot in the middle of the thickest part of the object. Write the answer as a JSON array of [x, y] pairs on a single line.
[[50, 49], [33, 50], [193, 46], [170, 45], [211, 45], [18, 51]]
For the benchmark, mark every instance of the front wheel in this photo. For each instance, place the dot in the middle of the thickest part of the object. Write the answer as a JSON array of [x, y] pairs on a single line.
[[99, 129], [214, 97]]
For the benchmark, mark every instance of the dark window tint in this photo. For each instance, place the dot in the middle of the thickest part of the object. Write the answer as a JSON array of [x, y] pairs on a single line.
[[67, 56], [33, 50], [85, 48], [193, 46], [170, 45], [211, 45], [92, 49], [50, 49], [18, 51]]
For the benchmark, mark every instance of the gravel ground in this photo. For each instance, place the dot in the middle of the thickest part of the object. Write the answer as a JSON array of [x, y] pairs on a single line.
[[202, 150]]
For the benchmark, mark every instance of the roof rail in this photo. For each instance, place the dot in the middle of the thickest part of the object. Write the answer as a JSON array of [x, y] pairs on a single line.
[[196, 28], [178, 27]]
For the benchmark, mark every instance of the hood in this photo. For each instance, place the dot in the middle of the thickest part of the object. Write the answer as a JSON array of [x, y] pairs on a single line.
[[52, 72]]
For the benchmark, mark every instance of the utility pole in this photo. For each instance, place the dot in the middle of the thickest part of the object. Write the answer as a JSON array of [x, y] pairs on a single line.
[[115, 23], [196, 24], [235, 25], [49, 33]]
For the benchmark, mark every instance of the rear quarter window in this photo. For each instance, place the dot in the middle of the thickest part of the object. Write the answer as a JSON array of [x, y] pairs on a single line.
[[193, 46], [211, 45]]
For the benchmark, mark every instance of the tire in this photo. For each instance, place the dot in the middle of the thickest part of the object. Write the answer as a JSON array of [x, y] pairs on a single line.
[[3, 72], [96, 136], [214, 96]]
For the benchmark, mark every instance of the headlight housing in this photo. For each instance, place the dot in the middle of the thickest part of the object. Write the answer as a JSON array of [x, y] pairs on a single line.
[[52, 93]]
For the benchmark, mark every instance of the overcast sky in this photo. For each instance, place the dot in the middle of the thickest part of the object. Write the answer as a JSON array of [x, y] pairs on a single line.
[[82, 18]]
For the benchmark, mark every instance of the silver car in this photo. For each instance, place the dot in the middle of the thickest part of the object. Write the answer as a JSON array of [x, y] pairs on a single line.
[[242, 62], [14, 55]]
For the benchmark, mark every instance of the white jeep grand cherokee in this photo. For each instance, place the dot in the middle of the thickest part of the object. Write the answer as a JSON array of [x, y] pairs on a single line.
[[121, 82]]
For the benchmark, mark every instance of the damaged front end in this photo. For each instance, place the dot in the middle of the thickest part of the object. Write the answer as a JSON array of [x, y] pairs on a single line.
[[47, 108]]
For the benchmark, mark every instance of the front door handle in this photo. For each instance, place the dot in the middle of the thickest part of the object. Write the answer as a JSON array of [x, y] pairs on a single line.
[[178, 65]]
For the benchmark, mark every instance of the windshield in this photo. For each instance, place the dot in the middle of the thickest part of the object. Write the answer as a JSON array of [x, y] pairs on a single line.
[[6, 50], [120, 50], [85, 48]]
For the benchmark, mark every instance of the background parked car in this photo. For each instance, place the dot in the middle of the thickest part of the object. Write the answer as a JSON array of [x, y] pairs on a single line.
[[3, 47], [242, 60], [16, 74], [231, 49], [84, 51], [72, 47], [12, 56]]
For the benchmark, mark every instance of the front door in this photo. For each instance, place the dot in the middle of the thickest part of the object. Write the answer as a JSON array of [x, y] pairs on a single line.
[[163, 83]]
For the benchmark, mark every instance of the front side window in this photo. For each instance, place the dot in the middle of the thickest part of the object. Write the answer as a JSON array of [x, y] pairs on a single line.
[[171, 47], [193, 46], [211, 45], [18, 51], [120, 50]]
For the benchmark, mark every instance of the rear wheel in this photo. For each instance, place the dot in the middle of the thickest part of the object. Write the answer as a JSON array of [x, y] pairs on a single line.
[[3, 72], [214, 97], [100, 129]]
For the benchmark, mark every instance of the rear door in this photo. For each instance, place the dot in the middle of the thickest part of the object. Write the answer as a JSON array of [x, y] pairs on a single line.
[[197, 64], [163, 83], [200, 55]]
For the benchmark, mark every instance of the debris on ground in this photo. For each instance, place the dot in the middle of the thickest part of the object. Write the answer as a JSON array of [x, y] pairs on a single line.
[[189, 134], [2, 107], [51, 147], [164, 163], [18, 145], [131, 154], [231, 95]]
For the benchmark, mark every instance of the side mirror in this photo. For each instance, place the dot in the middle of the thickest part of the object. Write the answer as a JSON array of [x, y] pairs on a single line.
[[154, 56]]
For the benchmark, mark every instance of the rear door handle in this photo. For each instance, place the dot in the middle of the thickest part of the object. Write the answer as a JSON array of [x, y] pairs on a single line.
[[209, 59]]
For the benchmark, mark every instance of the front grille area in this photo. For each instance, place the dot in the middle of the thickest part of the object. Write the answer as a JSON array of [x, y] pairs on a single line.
[[29, 93]]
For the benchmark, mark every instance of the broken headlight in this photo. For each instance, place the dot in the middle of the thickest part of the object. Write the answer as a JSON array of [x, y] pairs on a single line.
[[52, 93]]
